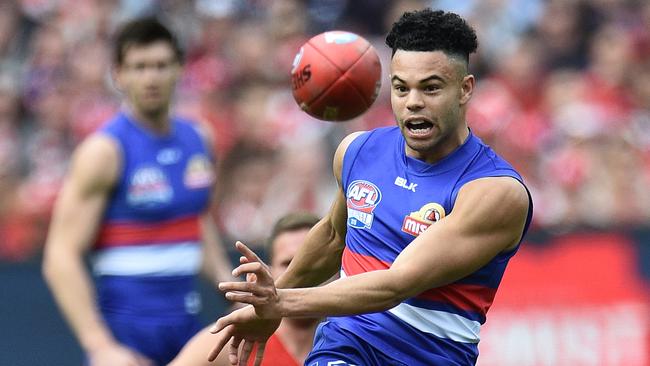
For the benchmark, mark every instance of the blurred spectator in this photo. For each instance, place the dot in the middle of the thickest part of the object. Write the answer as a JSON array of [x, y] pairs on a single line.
[[563, 92]]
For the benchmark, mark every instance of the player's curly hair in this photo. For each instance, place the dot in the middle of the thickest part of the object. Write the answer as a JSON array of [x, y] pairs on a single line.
[[429, 30]]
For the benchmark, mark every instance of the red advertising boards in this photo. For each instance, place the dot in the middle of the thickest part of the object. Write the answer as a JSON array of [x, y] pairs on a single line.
[[577, 300]]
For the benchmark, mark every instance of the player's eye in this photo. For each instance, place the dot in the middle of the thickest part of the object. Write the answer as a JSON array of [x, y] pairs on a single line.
[[163, 66], [400, 88], [431, 88], [139, 67]]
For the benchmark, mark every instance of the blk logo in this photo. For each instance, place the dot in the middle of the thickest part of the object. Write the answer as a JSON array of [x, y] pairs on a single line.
[[402, 182]]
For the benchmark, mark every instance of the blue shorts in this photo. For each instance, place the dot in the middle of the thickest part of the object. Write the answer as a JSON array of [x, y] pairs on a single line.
[[334, 346], [160, 341], [154, 316]]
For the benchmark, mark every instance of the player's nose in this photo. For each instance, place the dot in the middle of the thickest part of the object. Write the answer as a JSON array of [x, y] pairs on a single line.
[[414, 101]]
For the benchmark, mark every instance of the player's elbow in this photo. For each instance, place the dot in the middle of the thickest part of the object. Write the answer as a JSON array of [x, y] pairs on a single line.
[[395, 290], [403, 284], [55, 261], [398, 294], [48, 265]]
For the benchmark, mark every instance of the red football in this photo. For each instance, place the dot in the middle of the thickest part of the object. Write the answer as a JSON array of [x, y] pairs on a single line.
[[336, 76]]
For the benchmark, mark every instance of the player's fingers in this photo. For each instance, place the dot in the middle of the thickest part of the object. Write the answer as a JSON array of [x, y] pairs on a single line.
[[246, 298], [260, 353], [251, 277], [252, 267], [247, 252], [242, 315], [224, 321], [248, 287], [222, 340], [245, 352], [219, 325], [233, 350]]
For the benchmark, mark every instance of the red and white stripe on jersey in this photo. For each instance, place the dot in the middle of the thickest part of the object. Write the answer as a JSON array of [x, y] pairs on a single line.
[[167, 259], [117, 234], [427, 316]]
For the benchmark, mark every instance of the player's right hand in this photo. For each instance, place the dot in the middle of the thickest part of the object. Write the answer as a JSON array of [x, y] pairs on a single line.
[[258, 290], [117, 355]]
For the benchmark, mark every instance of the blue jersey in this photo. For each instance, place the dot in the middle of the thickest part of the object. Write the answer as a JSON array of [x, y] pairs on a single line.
[[154, 208], [391, 199], [148, 248]]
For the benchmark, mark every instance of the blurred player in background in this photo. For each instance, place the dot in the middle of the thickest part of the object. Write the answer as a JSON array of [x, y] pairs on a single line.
[[292, 341], [422, 229], [137, 197]]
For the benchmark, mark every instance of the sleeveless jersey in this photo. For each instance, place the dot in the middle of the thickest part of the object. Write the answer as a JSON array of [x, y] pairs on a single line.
[[151, 223], [391, 199], [150, 231]]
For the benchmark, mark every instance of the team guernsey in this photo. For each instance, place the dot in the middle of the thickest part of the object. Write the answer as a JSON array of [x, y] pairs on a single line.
[[391, 199], [148, 251]]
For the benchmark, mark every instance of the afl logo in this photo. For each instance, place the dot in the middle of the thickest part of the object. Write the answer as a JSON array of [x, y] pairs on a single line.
[[363, 195], [362, 199]]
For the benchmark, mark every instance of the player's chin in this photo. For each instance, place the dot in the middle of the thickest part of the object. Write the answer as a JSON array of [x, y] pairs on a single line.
[[420, 144], [152, 107]]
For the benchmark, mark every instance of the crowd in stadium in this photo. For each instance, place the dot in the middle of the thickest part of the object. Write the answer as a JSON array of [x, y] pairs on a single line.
[[563, 93]]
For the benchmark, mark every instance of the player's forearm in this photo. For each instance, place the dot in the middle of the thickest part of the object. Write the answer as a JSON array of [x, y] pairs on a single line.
[[318, 259], [363, 293], [73, 292]]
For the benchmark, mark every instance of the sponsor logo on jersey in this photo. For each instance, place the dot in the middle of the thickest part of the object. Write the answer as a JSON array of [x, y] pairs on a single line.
[[149, 186], [362, 199], [402, 182], [416, 222], [199, 172], [192, 302], [169, 156]]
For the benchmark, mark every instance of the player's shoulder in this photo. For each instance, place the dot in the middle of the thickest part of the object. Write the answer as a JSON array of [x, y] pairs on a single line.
[[97, 158], [490, 156], [503, 191], [98, 145], [345, 144]]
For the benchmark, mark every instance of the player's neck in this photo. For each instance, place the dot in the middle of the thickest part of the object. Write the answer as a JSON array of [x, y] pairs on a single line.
[[157, 122], [297, 337]]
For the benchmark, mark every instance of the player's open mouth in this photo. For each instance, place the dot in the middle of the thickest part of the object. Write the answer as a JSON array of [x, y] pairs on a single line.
[[418, 127]]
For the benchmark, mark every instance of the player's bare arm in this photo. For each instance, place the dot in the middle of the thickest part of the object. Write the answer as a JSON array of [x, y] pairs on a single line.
[[488, 218], [77, 213]]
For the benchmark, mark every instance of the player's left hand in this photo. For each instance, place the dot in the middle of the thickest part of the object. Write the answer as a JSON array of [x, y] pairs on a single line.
[[259, 290], [242, 327]]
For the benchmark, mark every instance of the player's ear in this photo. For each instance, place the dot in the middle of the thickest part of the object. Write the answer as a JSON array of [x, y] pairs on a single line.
[[116, 78], [466, 88]]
